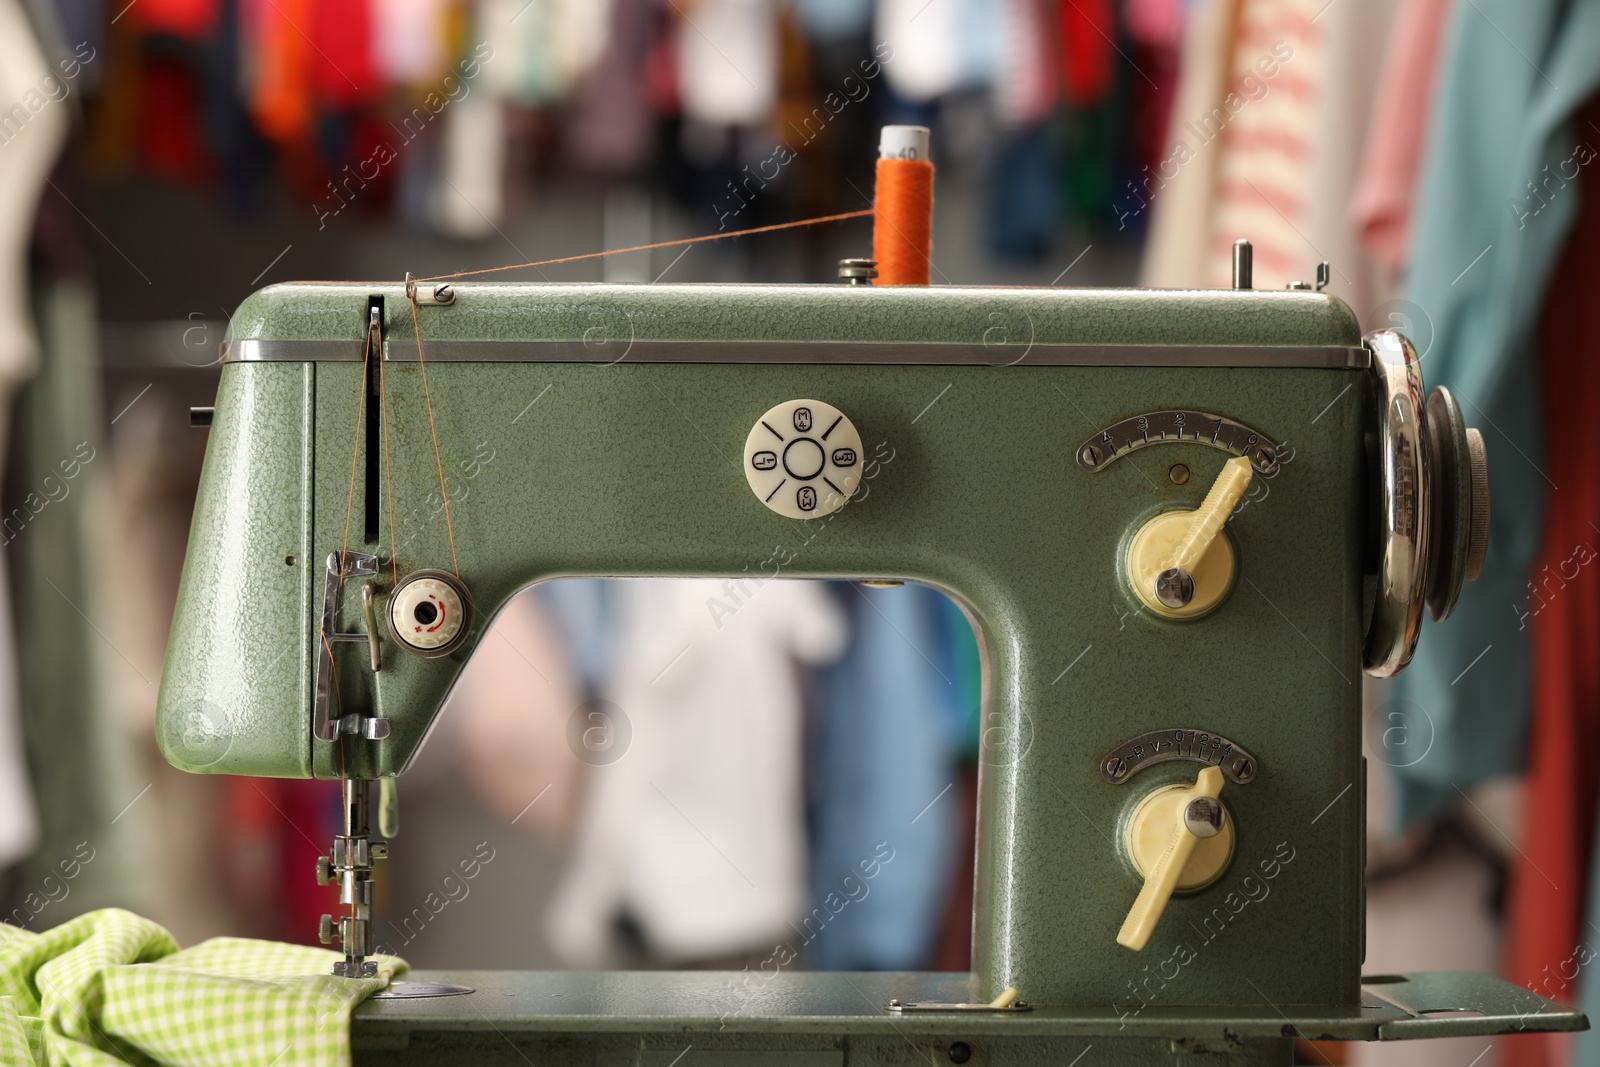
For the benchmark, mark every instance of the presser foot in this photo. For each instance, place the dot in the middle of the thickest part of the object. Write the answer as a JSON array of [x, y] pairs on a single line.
[[355, 968], [350, 867]]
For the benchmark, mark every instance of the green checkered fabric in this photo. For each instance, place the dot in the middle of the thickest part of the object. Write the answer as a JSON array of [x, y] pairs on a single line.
[[110, 988]]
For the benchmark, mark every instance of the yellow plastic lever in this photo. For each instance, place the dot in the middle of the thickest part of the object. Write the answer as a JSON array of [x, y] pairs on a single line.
[[1162, 878], [1207, 520], [1179, 563]]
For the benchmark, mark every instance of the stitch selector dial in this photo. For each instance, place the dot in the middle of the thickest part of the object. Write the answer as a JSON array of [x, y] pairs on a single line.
[[429, 613], [803, 459]]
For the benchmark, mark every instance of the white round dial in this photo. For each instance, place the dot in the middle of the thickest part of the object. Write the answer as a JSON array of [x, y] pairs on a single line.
[[803, 459], [428, 613]]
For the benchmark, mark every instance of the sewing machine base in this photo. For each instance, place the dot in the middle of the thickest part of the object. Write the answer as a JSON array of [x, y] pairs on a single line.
[[837, 1019]]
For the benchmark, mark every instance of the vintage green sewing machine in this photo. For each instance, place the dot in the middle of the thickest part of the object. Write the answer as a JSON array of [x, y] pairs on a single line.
[[1172, 799]]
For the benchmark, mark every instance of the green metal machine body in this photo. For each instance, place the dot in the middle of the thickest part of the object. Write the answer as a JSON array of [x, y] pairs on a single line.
[[1012, 444]]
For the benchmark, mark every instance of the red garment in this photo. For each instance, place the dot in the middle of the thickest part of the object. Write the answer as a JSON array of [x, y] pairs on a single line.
[[277, 828], [1548, 888], [344, 72], [1152, 108], [192, 20], [661, 69], [170, 144], [1088, 29]]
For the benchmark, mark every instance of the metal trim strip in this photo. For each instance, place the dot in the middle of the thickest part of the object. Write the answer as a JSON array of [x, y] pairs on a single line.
[[782, 352]]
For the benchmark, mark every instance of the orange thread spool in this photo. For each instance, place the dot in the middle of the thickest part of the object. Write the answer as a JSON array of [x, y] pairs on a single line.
[[902, 232]]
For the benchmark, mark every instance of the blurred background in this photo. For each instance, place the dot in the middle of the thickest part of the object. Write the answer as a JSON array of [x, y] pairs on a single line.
[[161, 159]]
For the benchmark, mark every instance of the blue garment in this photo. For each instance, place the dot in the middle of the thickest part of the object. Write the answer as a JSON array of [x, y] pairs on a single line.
[[891, 725], [580, 610], [1514, 73], [1023, 190]]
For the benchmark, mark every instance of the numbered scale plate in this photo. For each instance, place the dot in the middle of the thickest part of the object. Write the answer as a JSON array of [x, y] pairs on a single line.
[[1175, 427], [1163, 746]]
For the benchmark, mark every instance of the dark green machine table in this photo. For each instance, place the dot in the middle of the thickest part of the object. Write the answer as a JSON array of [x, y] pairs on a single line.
[[815, 1019]]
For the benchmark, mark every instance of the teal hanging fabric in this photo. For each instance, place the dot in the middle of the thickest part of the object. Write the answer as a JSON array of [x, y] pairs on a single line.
[[1496, 201]]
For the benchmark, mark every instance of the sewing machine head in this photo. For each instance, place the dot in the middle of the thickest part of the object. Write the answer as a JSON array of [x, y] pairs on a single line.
[[1182, 523]]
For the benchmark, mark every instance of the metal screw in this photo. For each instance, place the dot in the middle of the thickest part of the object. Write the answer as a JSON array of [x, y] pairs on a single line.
[[858, 271], [325, 930], [960, 1052], [1175, 587], [324, 870], [895, 1002], [1114, 767], [1243, 769], [1204, 817], [1089, 456], [379, 850], [444, 294], [1178, 474], [1266, 457]]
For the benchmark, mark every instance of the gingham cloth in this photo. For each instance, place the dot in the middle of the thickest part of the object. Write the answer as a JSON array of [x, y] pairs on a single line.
[[110, 988]]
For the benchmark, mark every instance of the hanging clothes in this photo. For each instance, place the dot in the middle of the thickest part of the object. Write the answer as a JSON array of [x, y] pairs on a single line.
[[469, 201], [728, 62], [1023, 180], [345, 74], [1265, 130], [83, 32], [1382, 206], [189, 20], [1354, 36], [1088, 30], [508, 723], [695, 832], [281, 97], [83, 764], [927, 44], [523, 69], [1264, 145], [826, 20], [170, 142], [408, 40], [1546, 905], [31, 154], [608, 128], [894, 716], [1024, 189], [1175, 198], [278, 828], [1503, 134], [1155, 37], [1025, 91]]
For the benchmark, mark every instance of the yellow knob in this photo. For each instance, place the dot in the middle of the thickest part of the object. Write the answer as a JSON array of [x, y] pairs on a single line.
[[1198, 843], [1178, 562]]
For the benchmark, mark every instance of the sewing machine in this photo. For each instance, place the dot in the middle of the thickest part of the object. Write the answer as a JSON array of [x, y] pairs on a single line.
[[1183, 524]]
